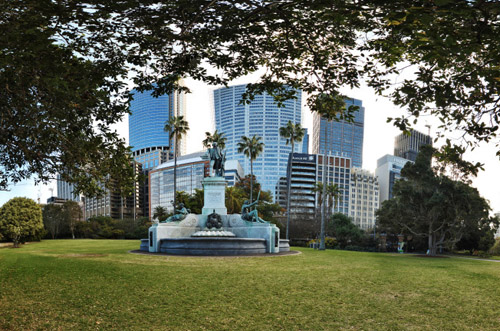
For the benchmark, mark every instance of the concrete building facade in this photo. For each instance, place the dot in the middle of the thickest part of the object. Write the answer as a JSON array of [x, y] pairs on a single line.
[[407, 146], [363, 198]]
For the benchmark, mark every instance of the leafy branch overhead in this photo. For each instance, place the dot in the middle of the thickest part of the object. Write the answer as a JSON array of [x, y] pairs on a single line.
[[64, 65]]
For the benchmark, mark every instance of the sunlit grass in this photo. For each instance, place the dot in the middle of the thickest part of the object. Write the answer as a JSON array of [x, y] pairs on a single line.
[[89, 284]]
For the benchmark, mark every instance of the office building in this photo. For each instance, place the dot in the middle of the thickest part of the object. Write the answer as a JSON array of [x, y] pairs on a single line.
[[407, 146], [344, 138], [146, 126], [151, 145], [305, 142], [388, 172], [303, 177], [363, 198], [191, 169], [262, 117], [306, 170], [113, 204], [66, 190]]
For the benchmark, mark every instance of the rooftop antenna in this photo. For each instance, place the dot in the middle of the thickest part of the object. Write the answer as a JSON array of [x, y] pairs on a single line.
[[428, 126]]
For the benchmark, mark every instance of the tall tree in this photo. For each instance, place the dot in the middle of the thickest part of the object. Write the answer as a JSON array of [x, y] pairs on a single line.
[[251, 147], [20, 219], [432, 206], [333, 195], [217, 137], [72, 214], [53, 219], [176, 127], [292, 133]]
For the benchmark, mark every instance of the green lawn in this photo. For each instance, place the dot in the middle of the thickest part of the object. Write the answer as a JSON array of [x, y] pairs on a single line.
[[96, 284]]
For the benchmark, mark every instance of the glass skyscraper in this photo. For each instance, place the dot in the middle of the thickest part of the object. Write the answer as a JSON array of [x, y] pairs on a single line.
[[344, 138], [263, 118], [151, 145], [408, 147]]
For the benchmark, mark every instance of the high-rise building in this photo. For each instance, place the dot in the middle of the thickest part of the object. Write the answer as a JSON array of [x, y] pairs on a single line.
[[305, 142], [306, 170], [66, 190], [191, 169], [363, 198], [151, 145], [113, 204], [407, 146], [344, 138], [262, 117], [388, 172]]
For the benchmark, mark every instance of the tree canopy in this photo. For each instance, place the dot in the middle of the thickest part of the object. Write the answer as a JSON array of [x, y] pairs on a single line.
[[65, 65], [433, 206]]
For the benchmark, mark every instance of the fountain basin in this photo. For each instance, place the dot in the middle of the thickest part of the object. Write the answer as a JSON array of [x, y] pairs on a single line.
[[213, 246]]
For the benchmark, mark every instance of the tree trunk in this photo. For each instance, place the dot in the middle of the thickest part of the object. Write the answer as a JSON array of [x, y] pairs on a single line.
[[289, 180], [322, 233], [432, 244], [251, 180], [175, 172]]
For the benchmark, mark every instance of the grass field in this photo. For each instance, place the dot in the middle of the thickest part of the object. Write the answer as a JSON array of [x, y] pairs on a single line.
[[96, 284]]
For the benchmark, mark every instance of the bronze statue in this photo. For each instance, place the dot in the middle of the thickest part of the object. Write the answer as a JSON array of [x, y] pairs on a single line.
[[251, 215], [217, 159], [214, 221], [180, 214]]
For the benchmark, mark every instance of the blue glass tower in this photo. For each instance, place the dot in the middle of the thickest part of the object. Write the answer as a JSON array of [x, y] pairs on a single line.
[[344, 138], [151, 145], [147, 119], [263, 118]]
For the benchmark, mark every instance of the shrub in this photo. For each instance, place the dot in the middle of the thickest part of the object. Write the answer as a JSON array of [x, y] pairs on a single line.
[[21, 220], [495, 250]]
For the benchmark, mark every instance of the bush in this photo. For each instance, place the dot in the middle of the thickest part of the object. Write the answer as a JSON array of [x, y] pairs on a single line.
[[330, 242], [104, 227], [495, 250], [21, 220]]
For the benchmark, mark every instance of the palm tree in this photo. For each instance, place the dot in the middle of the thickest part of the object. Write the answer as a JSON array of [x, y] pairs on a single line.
[[292, 133], [176, 127], [215, 137], [333, 193], [160, 213], [251, 147], [234, 199], [329, 107]]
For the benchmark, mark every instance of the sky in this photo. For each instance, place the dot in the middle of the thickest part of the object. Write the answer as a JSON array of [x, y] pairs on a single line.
[[378, 139]]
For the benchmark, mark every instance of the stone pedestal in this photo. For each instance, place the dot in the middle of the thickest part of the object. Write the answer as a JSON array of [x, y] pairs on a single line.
[[215, 196]]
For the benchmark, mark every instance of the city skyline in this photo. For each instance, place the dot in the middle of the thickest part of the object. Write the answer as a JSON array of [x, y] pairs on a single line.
[[379, 138]]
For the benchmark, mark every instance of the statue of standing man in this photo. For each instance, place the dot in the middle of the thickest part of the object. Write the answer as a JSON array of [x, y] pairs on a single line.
[[217, 160]]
